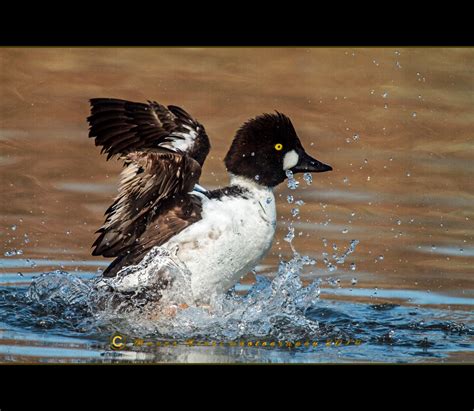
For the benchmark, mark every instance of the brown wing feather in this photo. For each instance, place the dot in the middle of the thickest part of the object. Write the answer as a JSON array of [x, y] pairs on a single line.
[[122, 126], [165, 225], [149, 181]]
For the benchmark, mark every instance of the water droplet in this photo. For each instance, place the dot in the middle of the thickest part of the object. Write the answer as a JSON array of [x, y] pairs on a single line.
[[306, 260], [13, 227], [257, 177], [290, 199], [334, 247], [325, 242], [345, 231], [290, 235], [295, 211], [299, 202], [408, 174], [68, 232], [269, 200], [399, 222], [355, 137], [331, 267], [433, 247], [353, 214], [368, 178], [11, 253], [345, 180], [354, 244], [413, 114], [292, 183], [380, 257], [308, 178], [385, 95], [353, 268], [252, 154]]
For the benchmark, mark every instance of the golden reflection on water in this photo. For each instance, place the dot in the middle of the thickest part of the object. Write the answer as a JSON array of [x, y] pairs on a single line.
[[395, 124]]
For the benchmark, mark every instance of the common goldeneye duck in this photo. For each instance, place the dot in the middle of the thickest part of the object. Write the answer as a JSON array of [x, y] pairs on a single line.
[[218, 235]]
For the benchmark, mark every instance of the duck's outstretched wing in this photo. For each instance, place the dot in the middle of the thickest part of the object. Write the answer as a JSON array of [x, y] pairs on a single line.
[[163, 149], [122, 126], [153, 205]]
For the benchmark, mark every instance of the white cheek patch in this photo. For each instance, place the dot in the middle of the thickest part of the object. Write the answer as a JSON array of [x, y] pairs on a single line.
[[290, 160]]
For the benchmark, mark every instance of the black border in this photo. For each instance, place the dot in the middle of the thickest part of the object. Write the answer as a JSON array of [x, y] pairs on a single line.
[[238, 24], [252, 386], [246, 39]]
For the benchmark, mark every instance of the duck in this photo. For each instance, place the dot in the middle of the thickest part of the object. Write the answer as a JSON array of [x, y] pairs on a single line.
[[218, 235]]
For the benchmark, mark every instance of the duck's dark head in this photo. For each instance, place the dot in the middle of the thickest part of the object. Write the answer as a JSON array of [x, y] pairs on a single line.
[[265, 147]]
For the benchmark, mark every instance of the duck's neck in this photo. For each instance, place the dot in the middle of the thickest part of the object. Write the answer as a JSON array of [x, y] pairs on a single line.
[[249, 184]]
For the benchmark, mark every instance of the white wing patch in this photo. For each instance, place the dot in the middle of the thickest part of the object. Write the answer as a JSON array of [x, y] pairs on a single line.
[[184, 141]]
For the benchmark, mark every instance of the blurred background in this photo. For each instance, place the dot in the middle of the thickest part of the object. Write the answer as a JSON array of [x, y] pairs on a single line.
[[396, 124]]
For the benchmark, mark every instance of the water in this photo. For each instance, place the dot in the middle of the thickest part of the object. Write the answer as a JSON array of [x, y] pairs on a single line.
[[72, 317], [401, 187]]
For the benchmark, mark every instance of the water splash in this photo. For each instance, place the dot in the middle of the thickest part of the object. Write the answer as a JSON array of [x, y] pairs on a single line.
[[282, 309], [270, 309], [340, 259], [155, 297]]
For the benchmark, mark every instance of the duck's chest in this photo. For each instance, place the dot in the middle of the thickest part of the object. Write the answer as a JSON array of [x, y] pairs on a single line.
[[247, 222], [234, 233]]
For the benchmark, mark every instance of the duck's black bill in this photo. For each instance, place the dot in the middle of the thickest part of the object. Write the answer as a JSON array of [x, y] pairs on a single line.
[[308, 164]]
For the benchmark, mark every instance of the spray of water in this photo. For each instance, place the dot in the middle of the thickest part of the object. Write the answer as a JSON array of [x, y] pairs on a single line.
[[154, 298]]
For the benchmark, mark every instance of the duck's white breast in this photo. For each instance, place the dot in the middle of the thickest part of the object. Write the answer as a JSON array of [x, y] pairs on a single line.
[[230, 239]]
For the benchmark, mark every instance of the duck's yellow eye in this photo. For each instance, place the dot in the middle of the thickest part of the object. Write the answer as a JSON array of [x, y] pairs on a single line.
[[278, 147]]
